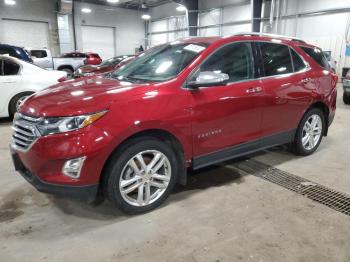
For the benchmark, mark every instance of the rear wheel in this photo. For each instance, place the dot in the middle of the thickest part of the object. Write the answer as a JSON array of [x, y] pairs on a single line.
[[346, 98], [310, 132], [16, 102], [141, 176]]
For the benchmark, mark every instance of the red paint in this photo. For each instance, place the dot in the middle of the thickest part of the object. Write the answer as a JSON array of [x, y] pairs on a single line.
[[231, 113], [96, 70], [92, 59]]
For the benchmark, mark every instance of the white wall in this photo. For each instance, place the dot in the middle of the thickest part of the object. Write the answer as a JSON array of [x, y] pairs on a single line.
[[325, 30], [130, 28], [33, 10]]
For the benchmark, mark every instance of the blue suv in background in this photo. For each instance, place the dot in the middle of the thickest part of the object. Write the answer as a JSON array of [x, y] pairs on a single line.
[[15, 51]]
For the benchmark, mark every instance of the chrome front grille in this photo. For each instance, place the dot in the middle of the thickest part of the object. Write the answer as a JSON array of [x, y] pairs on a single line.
[[25, 132]]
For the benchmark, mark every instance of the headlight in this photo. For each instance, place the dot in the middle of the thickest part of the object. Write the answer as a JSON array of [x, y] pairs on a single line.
[[54, 125]]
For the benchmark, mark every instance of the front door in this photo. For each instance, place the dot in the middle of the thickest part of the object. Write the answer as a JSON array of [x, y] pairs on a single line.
[[227, 114]]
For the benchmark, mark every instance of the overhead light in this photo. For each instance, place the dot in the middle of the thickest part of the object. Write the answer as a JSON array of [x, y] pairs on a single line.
[[146, 17], [86, 10], [113, 1], [9, 2], [181, 8]]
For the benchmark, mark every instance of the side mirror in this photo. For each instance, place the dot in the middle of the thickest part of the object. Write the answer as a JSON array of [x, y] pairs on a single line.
[[208, 78]]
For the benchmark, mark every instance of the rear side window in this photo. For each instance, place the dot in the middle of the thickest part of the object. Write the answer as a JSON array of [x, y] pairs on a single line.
[[276, 59], [235, 59], [38, 53], [317, 55], [10, 68], [298, 62]]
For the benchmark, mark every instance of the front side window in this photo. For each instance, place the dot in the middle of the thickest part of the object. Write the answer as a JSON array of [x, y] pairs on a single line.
[[235, 60], [317, 55], [276, 59], [10, 68], [38, 53], [160, 64]]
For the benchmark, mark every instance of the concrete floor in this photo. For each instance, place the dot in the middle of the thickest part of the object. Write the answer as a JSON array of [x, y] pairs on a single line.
[[220, 216]]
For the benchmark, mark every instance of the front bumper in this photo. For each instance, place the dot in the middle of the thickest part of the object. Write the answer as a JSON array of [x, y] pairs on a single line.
[[86, 192]]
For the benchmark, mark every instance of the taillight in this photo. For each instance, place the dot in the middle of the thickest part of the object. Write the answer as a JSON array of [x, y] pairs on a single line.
[[334, 79], [62, 79]]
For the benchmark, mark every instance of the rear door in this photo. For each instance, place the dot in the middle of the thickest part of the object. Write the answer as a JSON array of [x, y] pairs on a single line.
[[227, 114], [287, 89]]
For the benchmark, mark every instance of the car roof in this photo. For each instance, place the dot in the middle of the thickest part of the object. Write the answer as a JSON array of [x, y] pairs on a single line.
[[10, 46], [248, 36]]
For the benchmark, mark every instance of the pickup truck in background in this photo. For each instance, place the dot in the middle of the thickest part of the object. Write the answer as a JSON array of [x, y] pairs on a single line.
[[68, 62]]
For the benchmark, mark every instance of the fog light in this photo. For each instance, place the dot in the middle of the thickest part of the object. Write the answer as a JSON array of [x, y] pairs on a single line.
[[72, 167]]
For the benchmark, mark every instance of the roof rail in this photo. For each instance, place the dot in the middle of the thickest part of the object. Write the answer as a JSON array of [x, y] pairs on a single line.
[[292, 38]]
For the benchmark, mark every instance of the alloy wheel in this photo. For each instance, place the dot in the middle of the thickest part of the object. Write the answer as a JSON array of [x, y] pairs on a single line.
[[145, 178], [20, 101], [312, 132]]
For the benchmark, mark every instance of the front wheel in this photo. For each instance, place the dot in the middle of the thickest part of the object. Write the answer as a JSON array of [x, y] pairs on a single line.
[[309, 133], [141, 176]]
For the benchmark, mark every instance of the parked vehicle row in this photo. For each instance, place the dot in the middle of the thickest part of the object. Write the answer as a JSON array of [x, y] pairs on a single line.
[[106, 66], [131, 134], [20, 79], [67, 62]]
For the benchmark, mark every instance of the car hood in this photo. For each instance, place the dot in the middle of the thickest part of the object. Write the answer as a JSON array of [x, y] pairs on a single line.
[[83, 96]]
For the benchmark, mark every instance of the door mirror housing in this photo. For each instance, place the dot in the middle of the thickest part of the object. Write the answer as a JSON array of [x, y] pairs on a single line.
[[208, 78]]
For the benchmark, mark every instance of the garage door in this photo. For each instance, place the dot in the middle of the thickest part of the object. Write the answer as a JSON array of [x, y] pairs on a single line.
[[25, 33], [99, 40]]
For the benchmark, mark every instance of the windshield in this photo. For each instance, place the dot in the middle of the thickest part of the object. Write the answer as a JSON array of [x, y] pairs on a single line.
[[160, 63]]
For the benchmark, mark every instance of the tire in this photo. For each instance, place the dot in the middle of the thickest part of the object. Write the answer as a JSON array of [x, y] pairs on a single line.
[[125, 167], [346, 99], [311, 145], [68, 71], [15, 102]]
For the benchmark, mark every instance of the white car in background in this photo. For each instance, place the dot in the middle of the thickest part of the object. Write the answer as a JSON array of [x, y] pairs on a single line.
[[19, 79]]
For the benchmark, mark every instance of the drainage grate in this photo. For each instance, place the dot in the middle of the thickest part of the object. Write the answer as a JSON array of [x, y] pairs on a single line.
[[326, 196]]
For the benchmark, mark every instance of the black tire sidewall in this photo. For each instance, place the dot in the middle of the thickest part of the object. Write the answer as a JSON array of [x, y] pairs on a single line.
[[300, 150], [13, 102], [346, 98], [120, 159]]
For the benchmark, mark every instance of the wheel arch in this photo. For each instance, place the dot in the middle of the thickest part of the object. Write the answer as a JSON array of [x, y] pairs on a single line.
[[61, 67], [160, 134], [325, 110], [24, 92]]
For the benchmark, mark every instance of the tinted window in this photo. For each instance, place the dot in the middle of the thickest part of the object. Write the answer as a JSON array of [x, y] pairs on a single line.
[[236, 60], [276, 59], [317, 55], [298, 62], [10, 68], [38, 53]]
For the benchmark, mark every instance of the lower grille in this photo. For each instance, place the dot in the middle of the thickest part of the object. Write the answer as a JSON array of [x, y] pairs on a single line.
[[24, 131], [326, 196]]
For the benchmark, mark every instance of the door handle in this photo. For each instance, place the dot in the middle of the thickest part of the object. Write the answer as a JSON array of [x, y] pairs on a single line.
[[251, 90]]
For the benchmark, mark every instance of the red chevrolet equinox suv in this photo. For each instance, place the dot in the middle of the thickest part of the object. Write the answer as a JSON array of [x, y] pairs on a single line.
[[132, 134]]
